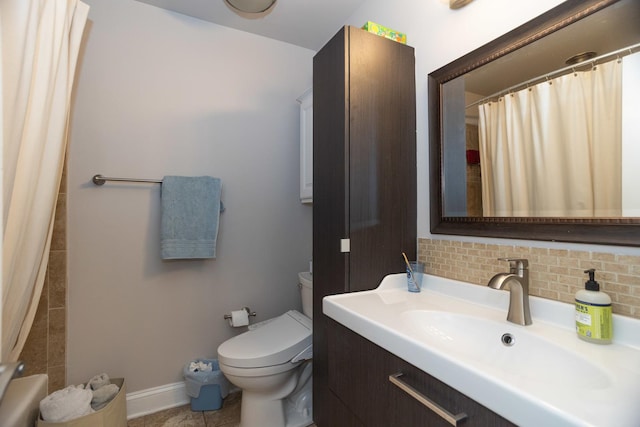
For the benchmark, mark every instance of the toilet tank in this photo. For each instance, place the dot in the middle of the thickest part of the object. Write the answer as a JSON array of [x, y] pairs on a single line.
[[305, 280]]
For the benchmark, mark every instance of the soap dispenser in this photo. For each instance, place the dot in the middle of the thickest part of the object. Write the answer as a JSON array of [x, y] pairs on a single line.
[[593, 312]]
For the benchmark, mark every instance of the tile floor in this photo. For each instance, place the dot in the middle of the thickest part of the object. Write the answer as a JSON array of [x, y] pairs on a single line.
[[183, 416]]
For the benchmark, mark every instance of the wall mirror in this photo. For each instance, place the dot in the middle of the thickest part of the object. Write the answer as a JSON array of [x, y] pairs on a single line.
[[536, 135]]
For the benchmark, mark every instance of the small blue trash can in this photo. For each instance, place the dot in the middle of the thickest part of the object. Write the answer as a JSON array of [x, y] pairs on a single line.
[[210, 398], [207, 389]]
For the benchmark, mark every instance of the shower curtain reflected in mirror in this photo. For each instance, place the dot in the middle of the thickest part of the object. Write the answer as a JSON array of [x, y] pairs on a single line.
[[40, 45], [542, 155]]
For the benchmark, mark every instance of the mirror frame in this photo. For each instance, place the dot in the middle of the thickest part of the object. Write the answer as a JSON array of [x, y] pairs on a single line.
[[618, 231]]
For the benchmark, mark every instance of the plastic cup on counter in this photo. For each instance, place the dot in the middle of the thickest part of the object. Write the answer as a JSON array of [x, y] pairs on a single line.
[[414, 280]]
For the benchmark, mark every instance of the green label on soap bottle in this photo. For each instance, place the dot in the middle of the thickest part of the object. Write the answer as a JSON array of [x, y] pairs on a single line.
[[594, 321]]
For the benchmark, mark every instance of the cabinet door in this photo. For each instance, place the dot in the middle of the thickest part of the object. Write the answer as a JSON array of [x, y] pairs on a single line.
[[382, 157], [359, 376]]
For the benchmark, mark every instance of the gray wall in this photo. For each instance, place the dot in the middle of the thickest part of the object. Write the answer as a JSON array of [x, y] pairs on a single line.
[[163, 94]]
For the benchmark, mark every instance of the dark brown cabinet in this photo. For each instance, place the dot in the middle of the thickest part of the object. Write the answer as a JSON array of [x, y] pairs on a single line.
[[364, 179], [359, 377]]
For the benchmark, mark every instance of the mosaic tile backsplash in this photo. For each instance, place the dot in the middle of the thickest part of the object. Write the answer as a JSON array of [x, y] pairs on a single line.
[[555, 274]]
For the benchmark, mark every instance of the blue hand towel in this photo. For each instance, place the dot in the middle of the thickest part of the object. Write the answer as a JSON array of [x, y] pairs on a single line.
[[190, 215]]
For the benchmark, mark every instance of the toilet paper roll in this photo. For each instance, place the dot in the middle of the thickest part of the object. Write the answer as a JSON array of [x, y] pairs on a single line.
[[239, 318]]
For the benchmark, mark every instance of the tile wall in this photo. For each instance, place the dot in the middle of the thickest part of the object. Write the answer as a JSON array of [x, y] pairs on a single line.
[[554, 273], [45, 349]]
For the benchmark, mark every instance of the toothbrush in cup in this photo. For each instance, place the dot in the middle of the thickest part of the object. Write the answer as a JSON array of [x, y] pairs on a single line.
[[413, 277]]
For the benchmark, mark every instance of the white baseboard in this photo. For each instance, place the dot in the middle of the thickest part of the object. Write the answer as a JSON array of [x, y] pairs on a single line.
[[156, 399]]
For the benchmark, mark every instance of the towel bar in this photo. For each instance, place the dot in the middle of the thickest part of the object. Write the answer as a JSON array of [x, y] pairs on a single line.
[[100, 180]]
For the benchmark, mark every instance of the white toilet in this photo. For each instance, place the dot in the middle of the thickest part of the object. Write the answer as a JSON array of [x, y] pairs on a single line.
[[271, 363]]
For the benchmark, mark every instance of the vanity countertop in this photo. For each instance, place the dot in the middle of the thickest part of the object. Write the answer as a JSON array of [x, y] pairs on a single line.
[[454, 331]]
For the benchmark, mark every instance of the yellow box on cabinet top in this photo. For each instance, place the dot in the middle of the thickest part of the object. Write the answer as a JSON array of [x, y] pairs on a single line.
[[378, 29]]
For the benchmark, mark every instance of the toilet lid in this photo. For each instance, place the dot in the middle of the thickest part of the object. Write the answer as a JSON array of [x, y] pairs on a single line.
[[275, 343]]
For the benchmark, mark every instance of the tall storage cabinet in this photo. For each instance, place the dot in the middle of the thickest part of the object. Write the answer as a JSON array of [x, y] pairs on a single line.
[[364, 179]]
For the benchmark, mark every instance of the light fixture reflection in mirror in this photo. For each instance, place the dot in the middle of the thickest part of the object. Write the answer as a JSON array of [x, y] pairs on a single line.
[[515, 58], [581, 57], [251, 6], [457, 4]]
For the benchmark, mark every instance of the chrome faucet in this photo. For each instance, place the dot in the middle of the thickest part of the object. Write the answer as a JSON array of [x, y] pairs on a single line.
[[517, 282]]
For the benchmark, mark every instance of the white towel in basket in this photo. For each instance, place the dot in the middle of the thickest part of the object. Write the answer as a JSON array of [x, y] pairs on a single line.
[[66, 404]]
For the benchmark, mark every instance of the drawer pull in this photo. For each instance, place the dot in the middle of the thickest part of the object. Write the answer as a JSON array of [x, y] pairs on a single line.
[[443, 413]]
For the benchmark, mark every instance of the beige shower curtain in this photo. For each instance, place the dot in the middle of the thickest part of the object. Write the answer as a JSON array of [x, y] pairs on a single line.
[[554, 150], [40, 45]]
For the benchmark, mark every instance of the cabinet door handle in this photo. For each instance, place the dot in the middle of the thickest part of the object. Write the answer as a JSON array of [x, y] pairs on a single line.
[[443, 413]]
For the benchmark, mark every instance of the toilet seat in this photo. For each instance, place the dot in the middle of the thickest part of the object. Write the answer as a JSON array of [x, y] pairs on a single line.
[[274, 343], [258, 372]]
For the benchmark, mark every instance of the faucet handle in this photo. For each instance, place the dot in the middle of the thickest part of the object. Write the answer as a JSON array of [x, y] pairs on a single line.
[[516, 264]]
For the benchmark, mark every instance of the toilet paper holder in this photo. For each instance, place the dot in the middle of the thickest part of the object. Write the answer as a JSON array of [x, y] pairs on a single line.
[[247, 309]]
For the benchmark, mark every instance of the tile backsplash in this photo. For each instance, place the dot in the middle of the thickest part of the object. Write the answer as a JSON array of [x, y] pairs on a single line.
[[555, 274]]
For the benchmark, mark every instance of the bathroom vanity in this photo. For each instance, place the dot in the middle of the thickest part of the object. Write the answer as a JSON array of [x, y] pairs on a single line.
[[359, 373], [454, 347]]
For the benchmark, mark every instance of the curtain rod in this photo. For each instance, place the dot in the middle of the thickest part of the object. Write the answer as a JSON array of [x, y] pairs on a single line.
[[616, 53], [100, 180]]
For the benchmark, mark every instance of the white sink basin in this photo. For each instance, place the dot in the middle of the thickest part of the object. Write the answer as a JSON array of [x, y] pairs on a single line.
[[506, 349], [545, 376]]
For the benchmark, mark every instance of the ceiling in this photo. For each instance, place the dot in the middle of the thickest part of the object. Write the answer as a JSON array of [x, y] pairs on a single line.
[[311, 23], [306, 23]]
